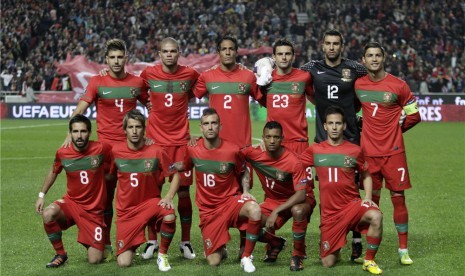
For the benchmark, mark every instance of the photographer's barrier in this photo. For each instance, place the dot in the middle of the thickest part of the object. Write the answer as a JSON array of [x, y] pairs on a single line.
[[432, 108]]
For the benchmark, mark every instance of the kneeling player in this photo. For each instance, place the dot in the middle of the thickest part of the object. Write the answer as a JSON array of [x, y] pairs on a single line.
[[219, 165], [341, 208], [84, 201], [287, 193], [138, 198]]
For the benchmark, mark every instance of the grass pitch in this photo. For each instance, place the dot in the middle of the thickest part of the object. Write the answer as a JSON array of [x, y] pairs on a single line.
[[436, 157]]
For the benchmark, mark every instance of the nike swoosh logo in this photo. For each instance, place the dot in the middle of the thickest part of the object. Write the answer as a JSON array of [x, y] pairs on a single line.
[[106, 92], [321, 160], [158, 85], [123, 165], [214, 87], [361, 96], [67, 165], [199, 165], [320, 72]]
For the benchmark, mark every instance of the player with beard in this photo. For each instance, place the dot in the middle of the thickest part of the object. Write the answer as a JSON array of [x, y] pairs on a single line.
[[113, 95], [84, 202]]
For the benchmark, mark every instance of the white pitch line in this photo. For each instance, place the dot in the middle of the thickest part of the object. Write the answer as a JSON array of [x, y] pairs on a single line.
[[26, 158], [31, 126]]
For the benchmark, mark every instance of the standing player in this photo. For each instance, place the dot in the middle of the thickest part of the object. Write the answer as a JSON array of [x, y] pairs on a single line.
[[138, 199], [287, 193], [84, 201], [113, 98], [341, 208], [333, 82], [286, 97], [383, 98], [229, 87], [219, 165], [170, 87]]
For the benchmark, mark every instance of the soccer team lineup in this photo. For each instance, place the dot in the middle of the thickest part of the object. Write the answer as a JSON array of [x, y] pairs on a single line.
[[131, 174]]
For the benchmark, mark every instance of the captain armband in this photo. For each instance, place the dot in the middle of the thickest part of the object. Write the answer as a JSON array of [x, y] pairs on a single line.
[[411, 107]]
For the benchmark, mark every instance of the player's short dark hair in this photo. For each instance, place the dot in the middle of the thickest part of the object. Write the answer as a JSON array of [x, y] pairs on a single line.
[[283, 42], [169, 40], [79, 118], [333, 109], [134, 114], [373, 44], [227, 37], [115, 44], [273, 125], [334, 32], [209, 111]]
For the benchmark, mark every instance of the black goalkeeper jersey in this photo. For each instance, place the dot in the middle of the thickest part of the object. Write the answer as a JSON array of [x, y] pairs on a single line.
[[335, 86]]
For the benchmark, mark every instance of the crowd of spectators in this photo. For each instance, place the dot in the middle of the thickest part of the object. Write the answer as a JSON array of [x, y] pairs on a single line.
[[425, 40]]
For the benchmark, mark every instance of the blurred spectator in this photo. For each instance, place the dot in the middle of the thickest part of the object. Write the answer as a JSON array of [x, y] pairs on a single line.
[[418, 35]]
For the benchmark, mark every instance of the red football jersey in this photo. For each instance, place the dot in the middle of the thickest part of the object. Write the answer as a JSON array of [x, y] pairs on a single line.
[[139, 174], [335, 167], [85, 174], [286, 103], [382, 103], [228, 93], [169, 94], [217, 173], [280, 177], [113, 99]]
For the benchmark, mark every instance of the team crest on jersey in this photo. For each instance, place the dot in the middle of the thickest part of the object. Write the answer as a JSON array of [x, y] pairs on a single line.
[[148, 165], [223, 167], [120, 244], [280, 176], [208, 243], [94, 161], [348, 162], [242, 88], [326, 246], [387, 97], [346, 75], [295, 87], [183, 86]]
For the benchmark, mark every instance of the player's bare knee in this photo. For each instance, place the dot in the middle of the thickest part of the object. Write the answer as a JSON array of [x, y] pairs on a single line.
[[376, 219], [298, 212], [214, 260], [50, 213], [169, 218], [328, 261], [124, 262], [253, 210], [95, 259]]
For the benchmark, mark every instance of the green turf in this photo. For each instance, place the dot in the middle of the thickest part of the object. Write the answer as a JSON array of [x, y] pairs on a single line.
[[436, 156]]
